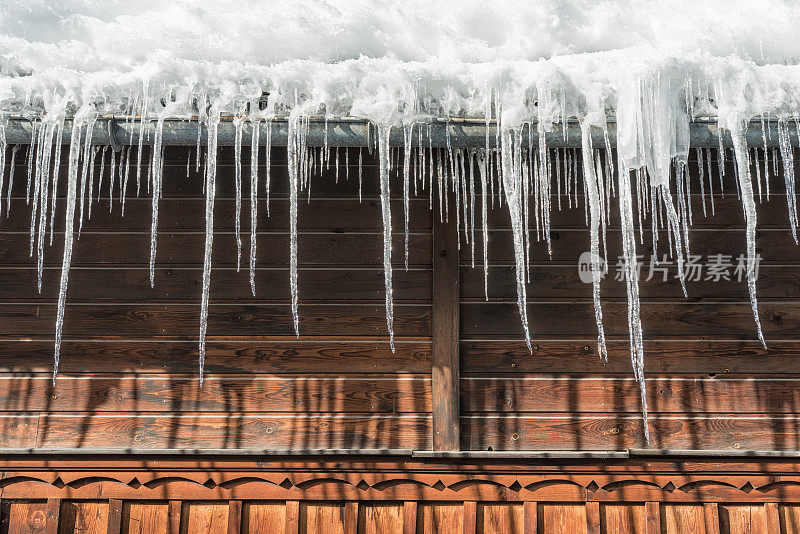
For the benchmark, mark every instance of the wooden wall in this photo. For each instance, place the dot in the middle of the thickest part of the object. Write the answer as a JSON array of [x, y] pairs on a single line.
[[128, 376]]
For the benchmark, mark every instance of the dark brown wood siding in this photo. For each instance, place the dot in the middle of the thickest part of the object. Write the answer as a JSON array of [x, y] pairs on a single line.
[[128, 378]]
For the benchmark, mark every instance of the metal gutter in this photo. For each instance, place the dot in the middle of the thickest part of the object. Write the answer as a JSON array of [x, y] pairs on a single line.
[[344, 132]]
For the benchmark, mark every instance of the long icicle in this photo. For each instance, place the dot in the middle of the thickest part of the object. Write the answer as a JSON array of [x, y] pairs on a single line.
[[292, 150], [590, 180], [386, 214], [155, 176], [212, 122], [632, 282], [69, 224], [512, 187], [749, 204], [253, 201]]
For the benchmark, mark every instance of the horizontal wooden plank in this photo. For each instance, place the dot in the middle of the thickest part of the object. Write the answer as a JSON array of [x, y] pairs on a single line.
[[774, 246], [184, 285], [584, 393], [234, 395], [328, 214], [181, 321], [591, 432], [265, 431], [686, 320], [329, 355], [771, 212], [562, 282], [118, 249], [698, 358]]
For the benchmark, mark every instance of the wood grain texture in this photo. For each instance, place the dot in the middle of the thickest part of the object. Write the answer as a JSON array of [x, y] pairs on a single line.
[[440, 518], [380, 518], [146, 517], [680, 518], [593, 521], [410, 509], [114, 516], [530, 511], [256, 393], [264, 517], [500, 518], [562, 518], [629, 518], [445, 336], [205, 517], [323, 356], [652, 512], [84, 518], [469, 522]]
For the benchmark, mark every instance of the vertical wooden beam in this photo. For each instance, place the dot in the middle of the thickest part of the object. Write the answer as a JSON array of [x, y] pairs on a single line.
[[445, 370], [234, 517], [410, 517], [592, 517], [469, 523], [712, 517], [52, 516], [114, 516], [773, 518], [351, 517], [652, 514], [292, 517], [530, 519], [174, 513]]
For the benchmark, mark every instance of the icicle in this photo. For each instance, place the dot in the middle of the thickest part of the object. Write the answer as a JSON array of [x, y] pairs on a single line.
[[788, 174], [69, 224], [85, 169], [237, 155], [212, 122], [408, 132], [268, 160], [360, 173], [632, 284], [3, 150], [699, 153], [292, 148], [590, 182], [749, 204], [386, 215], [142, 123], [156, 178], [56, 172], [254, 200], [92, 158], [13, 166], [482, 168], [512, 189]]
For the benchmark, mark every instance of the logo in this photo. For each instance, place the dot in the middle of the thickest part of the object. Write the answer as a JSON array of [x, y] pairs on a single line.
[[591, 268]]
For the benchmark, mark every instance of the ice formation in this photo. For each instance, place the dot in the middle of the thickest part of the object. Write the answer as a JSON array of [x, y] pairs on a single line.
[[637, 72]]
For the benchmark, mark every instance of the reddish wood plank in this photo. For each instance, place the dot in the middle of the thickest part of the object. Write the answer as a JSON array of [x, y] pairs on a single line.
[[593, 517], [205, 517], [789, 518], [264, 517], [626, 518], [175, 516], [663, 357], [409, 517], [679, 518], [234, 517], [114, 516], [351, 517], [712, 518], [380, 518], [52, 516], [652, 511], [292, 517], [672, 394], [604, 432], [25, 517], [445, 328], [562, 517], [256, 393], [500, 518], [148, 517], [277, 355], [469, 523], [440, 518], [772, 516], [199, 430], [530, 517]]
